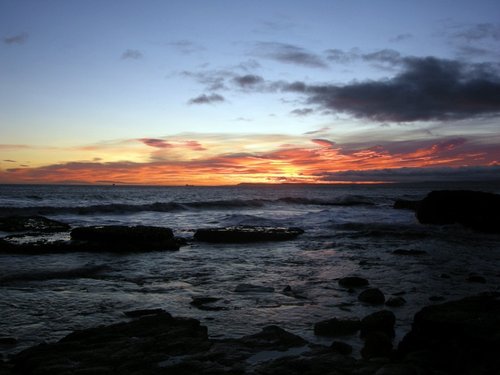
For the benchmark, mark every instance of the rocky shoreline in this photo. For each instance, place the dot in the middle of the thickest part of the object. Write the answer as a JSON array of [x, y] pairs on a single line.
[[456, 337]]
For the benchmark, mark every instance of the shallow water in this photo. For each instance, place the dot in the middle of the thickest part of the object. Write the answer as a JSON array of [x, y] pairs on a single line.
[[350, 230]]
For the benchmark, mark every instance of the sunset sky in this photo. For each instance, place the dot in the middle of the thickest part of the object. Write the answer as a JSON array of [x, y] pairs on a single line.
[[223, 92]]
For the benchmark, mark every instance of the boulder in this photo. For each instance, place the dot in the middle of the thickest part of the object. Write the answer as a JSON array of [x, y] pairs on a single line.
[[380, 321], [460, 336], [353, 282], [122, 238], [336, 327], [373, 296], [405, 204], [473, 209], [341, 347], [244, 234], [377, 344]]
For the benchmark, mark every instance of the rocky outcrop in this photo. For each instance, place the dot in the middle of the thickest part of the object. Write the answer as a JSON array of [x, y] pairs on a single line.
[[37, 224], [405, 204], [244, 234], [113, 238], [353, 282], [458, 336], [476, 210]]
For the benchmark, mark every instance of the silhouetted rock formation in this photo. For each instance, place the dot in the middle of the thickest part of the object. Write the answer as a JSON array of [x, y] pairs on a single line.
[[34, 224], [476, 210], [113, 238], [458, 337], [244, 234]]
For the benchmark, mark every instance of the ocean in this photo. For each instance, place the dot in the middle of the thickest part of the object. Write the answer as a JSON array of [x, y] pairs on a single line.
[[349, 230]]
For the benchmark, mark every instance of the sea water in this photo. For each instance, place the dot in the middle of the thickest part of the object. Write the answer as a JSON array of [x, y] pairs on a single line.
[[349, 230]]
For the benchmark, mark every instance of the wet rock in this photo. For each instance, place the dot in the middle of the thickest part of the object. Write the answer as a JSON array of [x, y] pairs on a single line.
[[395, 302], [460, 336], [205, 303], [127, 238], [377, 344], [380, 321], [406, 204], [476, 279], [250, 288], [273, 337], [409, 252], [373, 296], [35, 224], [401, 369], [353, 282], [436, 298], [341, 347], [314, 364], [288, 291], [476, 210], [244, 234], [8, 341], [144, 312], [336, 327], [124, 348]]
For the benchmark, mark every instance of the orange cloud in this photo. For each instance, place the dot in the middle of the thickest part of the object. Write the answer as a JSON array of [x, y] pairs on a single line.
[[261, 159]]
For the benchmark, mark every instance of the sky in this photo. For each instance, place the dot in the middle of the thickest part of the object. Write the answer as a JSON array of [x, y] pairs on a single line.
[[225, 92]]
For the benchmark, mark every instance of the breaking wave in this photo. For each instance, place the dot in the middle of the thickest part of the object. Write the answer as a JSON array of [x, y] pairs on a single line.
[[122, 208]]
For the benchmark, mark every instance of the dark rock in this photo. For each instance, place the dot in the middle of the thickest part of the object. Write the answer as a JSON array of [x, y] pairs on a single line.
[[377, 344], [336, 327], [476, 279], [113, 238], [458, 336], [144, 312], [244, 234], [395, 302], [405, 204], [409, 252], [249, 288], [315, 364], [8, 341], [401, 369], [35, 224], [436, 298], [202, 302], [353, 282], [372, 296], [341, 347], [380, 321], [476, 210], [124, 348], [128, 236], [273, 337]]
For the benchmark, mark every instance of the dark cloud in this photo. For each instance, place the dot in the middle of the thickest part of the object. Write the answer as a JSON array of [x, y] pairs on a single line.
[[248, 80], [132, 54], [476, 173], [302, 111], [16, 39], [480, 32], [9, 161], [426, 89], [207, 99], [155, 142], [289, 54]]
